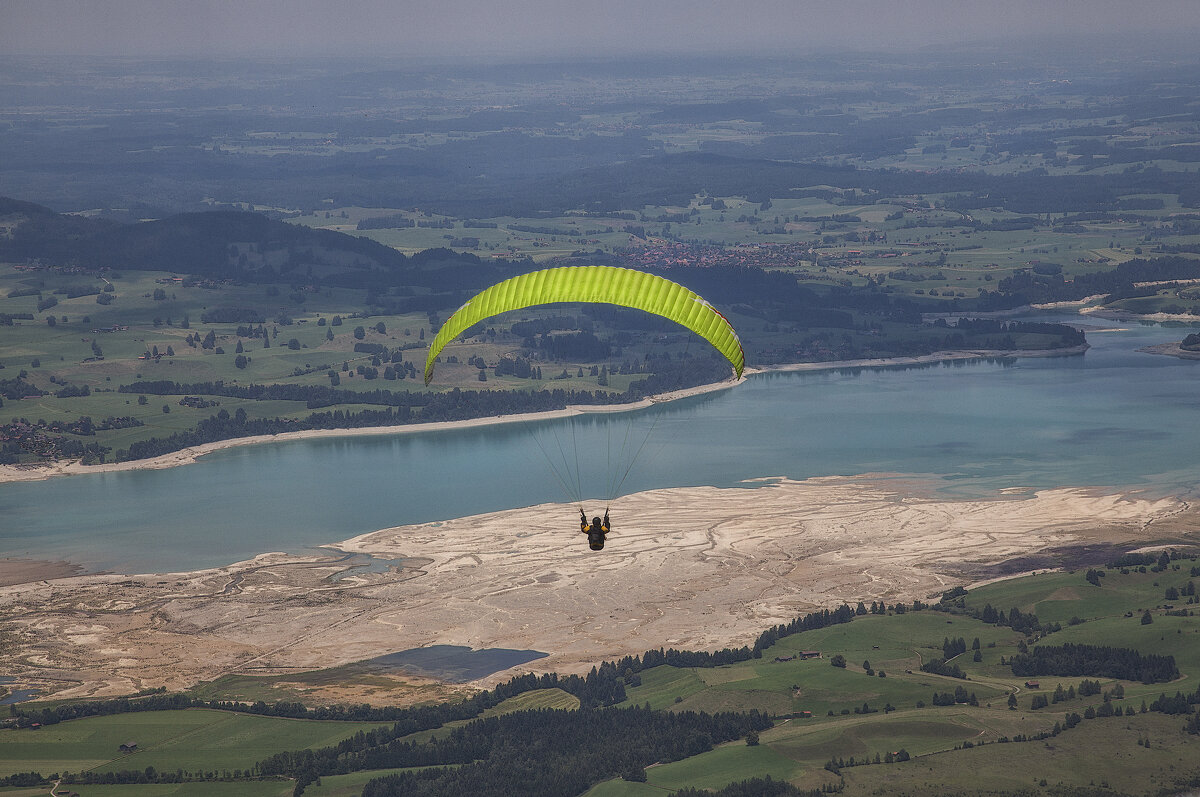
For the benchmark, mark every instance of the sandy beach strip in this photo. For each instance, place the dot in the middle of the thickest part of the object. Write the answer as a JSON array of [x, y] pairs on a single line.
[[1113, 314], [923, 359], [187, 456]]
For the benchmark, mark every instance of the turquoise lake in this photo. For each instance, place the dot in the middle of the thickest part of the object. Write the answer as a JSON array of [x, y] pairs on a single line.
[[1114, 417]]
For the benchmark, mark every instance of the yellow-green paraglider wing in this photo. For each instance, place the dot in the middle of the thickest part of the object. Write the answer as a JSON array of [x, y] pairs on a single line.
[[604, 284]]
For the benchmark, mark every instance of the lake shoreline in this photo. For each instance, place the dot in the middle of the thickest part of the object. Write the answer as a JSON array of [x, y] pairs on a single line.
[[188, 456]]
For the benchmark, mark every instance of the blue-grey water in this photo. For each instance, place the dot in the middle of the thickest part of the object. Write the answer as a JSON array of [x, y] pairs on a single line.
[[16, 695], [19, 696], [453, 663], [1114, 417]]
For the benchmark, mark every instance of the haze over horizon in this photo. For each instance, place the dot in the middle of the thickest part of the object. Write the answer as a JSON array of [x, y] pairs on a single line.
[[538, 28]]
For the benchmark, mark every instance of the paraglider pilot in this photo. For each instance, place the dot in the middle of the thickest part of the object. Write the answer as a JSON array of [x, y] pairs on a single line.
[[596, 531]]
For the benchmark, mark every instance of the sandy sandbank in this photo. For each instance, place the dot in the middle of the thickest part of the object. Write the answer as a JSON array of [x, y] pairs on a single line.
[[1125, 315], [924, 359], [187, 456], [1069, 304], [691, 568], [1172, 350], [24, 571]]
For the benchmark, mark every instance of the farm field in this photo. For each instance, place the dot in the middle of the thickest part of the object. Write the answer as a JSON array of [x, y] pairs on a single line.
[[1106, 756], [349, 785], [798, 748], [194, 740], [251, 788]]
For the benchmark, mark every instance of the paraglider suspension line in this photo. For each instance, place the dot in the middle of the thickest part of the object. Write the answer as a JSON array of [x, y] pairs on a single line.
[[578, 475], [634, 458], [646, 439], [558, 475]]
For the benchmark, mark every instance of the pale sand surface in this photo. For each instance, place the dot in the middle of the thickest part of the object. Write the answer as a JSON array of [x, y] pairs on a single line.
[[1173, 350], [693, 568], [936, 357], [1071, 303], [24, 571], [1125, 315], [35, 472]]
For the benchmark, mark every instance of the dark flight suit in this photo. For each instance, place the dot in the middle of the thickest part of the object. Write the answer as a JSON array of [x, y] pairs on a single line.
[[596, 531]]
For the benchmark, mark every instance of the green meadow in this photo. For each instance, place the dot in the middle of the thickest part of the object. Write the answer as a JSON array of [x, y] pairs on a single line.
[[348, 785], [535, 700], [1102, 756], [798, 748], [240, 788], [195, 740]]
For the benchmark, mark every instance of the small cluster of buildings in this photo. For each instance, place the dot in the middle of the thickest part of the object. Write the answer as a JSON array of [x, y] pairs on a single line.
[[772, 255]]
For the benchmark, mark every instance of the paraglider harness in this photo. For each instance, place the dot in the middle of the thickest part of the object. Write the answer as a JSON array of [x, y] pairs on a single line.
[[596, 531]]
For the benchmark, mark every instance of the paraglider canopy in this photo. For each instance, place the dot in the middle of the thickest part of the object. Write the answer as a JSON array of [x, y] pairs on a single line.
[[595, 284]]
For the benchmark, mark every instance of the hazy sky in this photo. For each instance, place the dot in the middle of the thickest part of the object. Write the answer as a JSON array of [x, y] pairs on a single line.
[[554, 27]]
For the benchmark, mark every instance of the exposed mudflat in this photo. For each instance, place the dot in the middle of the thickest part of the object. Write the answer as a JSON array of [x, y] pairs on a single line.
[[695, 568]]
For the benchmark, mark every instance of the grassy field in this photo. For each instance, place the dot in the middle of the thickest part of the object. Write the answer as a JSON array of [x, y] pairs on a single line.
[[348, 785], [241, 788], [893, 645], [1105, 753], [797, 749], [1101, 753], [537, 699], [314, 687], [723, 765], [196, 740]]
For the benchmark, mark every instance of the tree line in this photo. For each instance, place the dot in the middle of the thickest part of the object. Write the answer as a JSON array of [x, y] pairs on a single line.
[[548, 752], [1096, 661], [1027, 287], [759, 787], [953, 601]]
